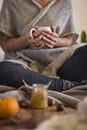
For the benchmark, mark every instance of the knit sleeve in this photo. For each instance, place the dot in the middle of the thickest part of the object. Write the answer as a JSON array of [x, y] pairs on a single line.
[[7, 25], [68, 26]]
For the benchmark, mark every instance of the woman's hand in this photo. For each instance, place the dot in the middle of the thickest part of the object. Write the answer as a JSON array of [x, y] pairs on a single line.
[[46, 39], [52, 39], [42, 39], [36, 42]]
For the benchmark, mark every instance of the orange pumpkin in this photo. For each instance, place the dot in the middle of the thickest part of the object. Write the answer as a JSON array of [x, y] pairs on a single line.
[[8, 107]]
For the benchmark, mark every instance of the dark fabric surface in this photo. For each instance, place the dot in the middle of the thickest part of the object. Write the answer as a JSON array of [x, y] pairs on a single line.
[[13, 74], [75, 68]]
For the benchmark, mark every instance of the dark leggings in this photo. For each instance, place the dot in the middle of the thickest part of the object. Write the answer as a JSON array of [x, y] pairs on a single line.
[[75, 68], [13, 74]]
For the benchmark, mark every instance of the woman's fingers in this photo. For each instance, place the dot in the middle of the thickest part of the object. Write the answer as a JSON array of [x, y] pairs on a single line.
[[50, 39], [53, 28], [37, 43], [43, 39], [48, 45]]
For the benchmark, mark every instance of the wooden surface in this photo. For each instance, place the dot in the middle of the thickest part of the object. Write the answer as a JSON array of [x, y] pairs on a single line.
[[28, 118]]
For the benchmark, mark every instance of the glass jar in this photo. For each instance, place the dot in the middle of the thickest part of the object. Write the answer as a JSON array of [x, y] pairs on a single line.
[[39, 98]]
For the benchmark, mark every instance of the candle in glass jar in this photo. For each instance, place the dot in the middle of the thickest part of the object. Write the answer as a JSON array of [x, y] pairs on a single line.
[[39, 97]]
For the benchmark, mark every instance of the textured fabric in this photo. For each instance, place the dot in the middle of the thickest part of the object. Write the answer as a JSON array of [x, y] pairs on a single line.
[[36, 60], [53, 67], [17, 16], [50, 66]]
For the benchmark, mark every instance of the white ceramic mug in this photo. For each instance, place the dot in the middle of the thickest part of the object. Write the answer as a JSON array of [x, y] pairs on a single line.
[[39, 28], [45, 28]]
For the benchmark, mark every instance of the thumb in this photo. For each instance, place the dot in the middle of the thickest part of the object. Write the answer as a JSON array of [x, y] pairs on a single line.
[[53, 28]]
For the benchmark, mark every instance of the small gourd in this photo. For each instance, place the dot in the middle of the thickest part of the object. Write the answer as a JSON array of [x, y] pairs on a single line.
[[8, 107]]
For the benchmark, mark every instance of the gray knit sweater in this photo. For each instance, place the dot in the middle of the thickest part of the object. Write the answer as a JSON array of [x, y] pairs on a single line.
[[16, 18]]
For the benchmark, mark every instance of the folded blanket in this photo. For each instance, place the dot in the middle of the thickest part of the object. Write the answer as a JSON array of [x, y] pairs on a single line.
[[52, 68], [4, 88], [79, 92]]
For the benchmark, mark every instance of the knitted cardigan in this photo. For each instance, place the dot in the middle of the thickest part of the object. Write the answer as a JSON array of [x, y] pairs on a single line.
[[17, 17]]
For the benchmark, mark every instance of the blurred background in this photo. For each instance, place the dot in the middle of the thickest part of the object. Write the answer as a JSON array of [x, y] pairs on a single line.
[[80, 16]]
